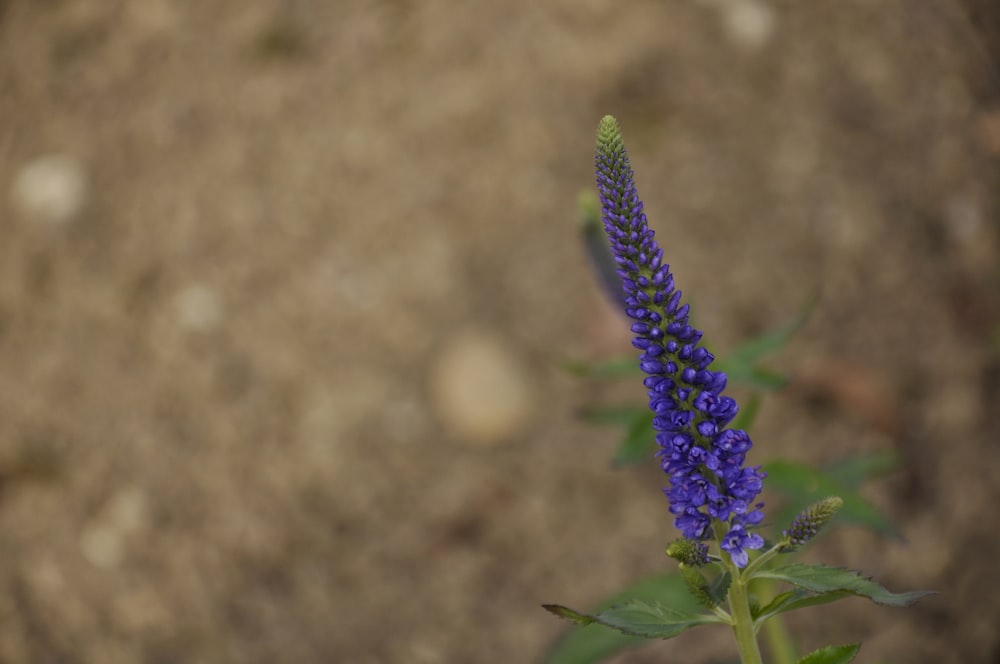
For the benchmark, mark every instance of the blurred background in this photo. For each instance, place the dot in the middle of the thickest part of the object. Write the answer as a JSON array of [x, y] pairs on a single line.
[[286, 288]]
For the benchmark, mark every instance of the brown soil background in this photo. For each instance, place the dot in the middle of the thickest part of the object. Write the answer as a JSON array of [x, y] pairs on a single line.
[[279, 381]]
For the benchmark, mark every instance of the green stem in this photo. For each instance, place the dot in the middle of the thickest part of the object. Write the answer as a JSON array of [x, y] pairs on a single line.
[[763, 559], [779, 641], [739, 606]]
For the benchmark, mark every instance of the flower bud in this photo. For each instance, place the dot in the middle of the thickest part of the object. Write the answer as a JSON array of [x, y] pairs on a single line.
[[688, 552], [808, 523]]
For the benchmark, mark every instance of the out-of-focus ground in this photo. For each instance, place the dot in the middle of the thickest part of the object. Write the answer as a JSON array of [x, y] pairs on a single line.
[[285, 288]]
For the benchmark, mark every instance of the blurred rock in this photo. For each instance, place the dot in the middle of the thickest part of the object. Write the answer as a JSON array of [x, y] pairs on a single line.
[[102, 542], [50, 190], [479, 389], [748, 23], [101, 546], [198, 308], [965, 223]]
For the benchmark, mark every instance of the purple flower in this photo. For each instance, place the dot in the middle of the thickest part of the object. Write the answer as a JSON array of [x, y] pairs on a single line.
[[738, 541], [704, 460]]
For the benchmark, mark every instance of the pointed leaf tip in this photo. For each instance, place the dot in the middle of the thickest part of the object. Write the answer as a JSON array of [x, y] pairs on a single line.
[[569, 614], [820, 579], [638, 618], [593, 646]]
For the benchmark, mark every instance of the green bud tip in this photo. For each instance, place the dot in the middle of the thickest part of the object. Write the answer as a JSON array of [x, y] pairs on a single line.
[[609, 135]]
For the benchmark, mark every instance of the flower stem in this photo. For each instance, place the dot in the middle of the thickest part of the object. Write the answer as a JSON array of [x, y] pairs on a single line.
[[778, 641], [739, 606]]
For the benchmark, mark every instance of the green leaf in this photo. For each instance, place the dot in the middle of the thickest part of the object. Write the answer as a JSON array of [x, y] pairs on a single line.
[[709, 594], [639, 444], [622, 416], [750, 352], [639, 618], [617, 368], [719, 588], [741, 366], [795, 599], [588, 211], [856, 470], [738, 372], [751, 376], [747, 413], [588, 646], [595, 242], [802, 485], [698, 585], [569, 614], [832, 655], [821, 579]]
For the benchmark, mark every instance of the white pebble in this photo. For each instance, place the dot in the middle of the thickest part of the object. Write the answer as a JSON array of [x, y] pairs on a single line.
[[50, 190], [749, 23], [480, 390], [101, 546], [102, 542], [198, 308]]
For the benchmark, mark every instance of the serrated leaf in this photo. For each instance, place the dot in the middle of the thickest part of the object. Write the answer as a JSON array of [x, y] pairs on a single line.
[[821, 579], [698, 585], [710, 595], [639, 618], [832, 655], [793, 600], [569, 614], [774, 606], [802, 485], [591, 645], [719, 587]]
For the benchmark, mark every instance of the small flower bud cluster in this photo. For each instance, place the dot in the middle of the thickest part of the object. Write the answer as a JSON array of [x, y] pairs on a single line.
[[688, 552], [705, 461], [807, 524]]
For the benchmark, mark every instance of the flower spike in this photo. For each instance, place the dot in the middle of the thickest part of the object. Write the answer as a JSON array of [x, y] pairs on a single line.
[[807, 524], [709, 483]]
